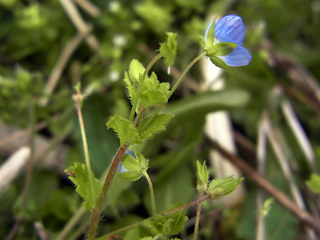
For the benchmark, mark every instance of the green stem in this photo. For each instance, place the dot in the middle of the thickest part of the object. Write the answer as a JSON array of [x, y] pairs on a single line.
[[186, 71], [153, 203], [78, 99], [146, 71], [97, 210], [196, 224]]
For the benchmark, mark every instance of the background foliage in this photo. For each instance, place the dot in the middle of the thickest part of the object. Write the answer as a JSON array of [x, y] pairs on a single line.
[[33, 34]]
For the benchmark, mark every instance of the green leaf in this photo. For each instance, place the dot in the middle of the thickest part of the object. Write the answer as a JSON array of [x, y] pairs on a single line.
[[153, 92], [152, 125], [175, 223], [198, 105], [314, 183], [136, 70], [219, 63], [132, 87], [168, 50], [135, 166], [221, 187], [221, 49], [83, 178], [211, 35], [164, 225], [127, 133], [203, 176]]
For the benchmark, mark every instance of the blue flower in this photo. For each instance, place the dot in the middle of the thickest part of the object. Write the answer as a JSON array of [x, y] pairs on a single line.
[[121, 168], [131, 153], [231, 29]]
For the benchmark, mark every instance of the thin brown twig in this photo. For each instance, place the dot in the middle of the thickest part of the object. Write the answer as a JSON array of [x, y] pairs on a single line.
[[17, 135], [296, 73], [88, 7], [60, 65], [41, 231], [300, 96], [14, 229], [80, 24], [303, 216], [97, 210]]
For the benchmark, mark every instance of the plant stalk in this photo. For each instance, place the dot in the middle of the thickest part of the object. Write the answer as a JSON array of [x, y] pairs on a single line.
[[186, 71], [97, 210], [78, 99], [153, 203], [196, 224]]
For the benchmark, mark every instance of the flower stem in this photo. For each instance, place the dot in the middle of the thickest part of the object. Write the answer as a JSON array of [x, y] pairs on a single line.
[[97, 210], [78, 100], [153, 203], [196, 224], [186, 71], [146, 71]]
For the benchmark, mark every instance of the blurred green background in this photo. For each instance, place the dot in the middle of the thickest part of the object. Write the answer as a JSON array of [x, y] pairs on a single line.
[[46, 47]]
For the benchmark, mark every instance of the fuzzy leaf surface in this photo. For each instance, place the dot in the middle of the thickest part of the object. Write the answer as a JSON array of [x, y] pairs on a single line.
[[82, 178], [202, 177], [168, 50], [131, 87], [135, 166], [152, 125], [153, 92], [220, 187], [136, 70], [166, 225], [127, 133]]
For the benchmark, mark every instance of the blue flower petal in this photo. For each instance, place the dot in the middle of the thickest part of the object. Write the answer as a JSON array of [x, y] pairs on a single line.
[[131, 153], [240, 56], [230, 29], [207, 30], [121, 168]]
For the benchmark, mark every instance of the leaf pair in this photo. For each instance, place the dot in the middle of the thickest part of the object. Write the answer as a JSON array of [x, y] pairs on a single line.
[[163, 225], [147, 91], [128, 133]]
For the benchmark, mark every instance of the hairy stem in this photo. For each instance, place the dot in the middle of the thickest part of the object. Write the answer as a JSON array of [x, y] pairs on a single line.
[[78, 99], [146, 71], [196, 224], [186, 71], [97, 210], [153, 203]]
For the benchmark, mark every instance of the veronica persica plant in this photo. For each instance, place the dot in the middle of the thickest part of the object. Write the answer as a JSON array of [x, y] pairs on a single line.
[[223, 41]]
